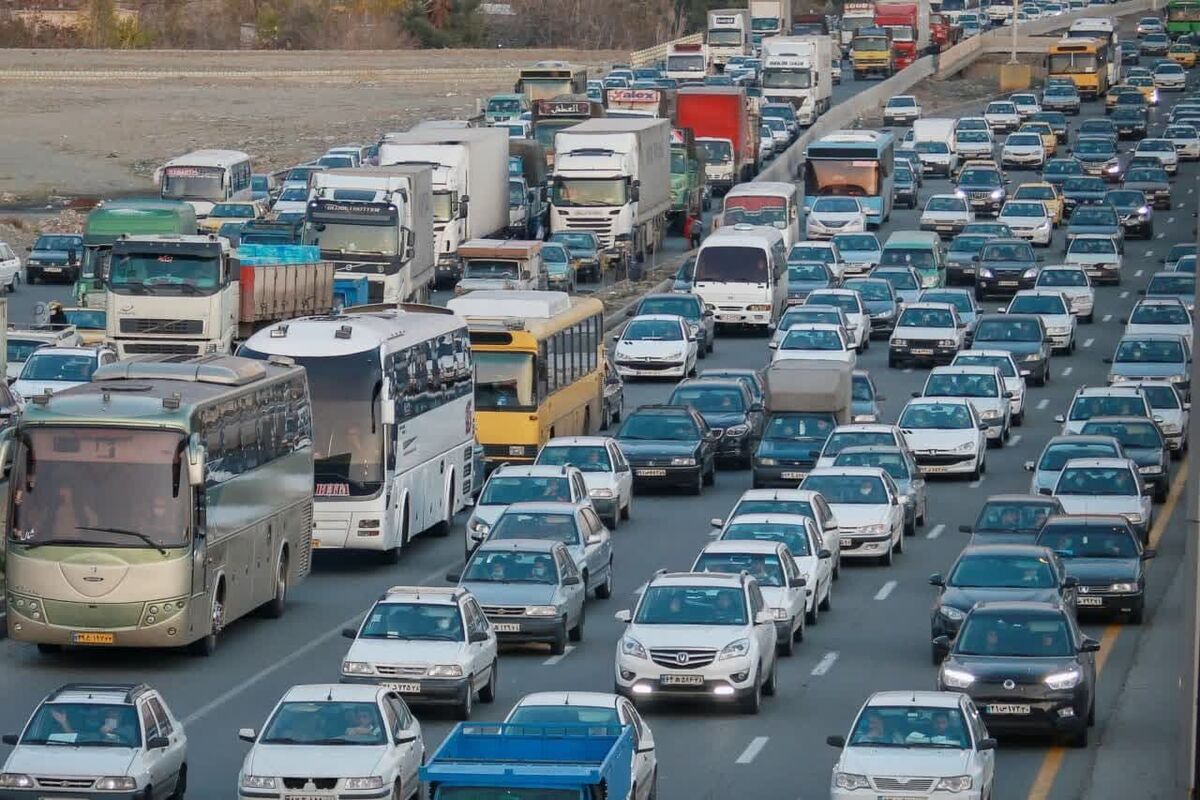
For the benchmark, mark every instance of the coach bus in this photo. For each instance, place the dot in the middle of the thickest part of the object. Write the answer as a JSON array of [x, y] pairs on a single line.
[[1085, 62], [852, 164], [205, 178]]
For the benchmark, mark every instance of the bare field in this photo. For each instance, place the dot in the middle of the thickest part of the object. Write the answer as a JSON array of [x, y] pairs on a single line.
[[96, 123]]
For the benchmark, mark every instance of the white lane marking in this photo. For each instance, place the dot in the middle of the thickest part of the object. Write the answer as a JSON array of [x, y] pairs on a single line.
[[825, 663], [1124, 294], [1014, 440], [1068, 370], [975, 484], [552, 660], [1138, 274], [1088, 342], [1170, 220], [936, 532], [1149, 253], [1159, 236], [1189, 191], [1106, 318], [1043, 404], [752, 750], [885, 590], [907, 370]]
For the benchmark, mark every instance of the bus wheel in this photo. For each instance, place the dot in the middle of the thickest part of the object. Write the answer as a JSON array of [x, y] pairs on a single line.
[[207, 645], [443, 527], [275, 606]]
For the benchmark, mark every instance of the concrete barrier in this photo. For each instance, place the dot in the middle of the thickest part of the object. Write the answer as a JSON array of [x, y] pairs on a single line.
[[640, 58]]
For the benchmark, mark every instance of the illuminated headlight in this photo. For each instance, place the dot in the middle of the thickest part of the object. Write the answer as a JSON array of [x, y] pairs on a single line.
[[991, 414], [1152, 469], [997, 194], [632, 647], [946, 343], [850, 780], [767, 462], [257, 782], [957, 783], [1133, 516], [1030, 273], [780, 613], [984, 272], [540, 611], [683, 461], [952, 613], [1123, 587], [15, 780], [372, 782], [739, 648], [1144, 211], [445, 671], [737, 430], [960, 193], [603, 493], [116, 783], [357, 668], [1063, 680], [1113, 169], [956, 678]]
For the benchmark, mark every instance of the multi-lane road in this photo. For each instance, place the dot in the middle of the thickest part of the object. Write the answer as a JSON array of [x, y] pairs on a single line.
[[876, 636]]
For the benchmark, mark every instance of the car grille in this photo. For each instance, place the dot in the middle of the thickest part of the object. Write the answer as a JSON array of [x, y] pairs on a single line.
[[302, 783], [188, 327], [65, 783], [648, 365], [902, 784], [796, 462], [397, 671], [504, 611], [653, 462], [941, 459], [162, 348], [683, 657]]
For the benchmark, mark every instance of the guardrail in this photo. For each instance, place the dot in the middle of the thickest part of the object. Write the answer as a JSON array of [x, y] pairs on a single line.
[[640, 58]]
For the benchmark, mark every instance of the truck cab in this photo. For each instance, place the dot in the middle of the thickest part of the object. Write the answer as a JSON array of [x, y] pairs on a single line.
[[501, 264], [504, 108]]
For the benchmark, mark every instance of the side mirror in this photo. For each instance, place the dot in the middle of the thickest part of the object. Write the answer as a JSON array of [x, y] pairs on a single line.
[[27, 250], [248, 735], [823, 553], [1149, 553], [463, 206], [756, 406], [593, 540], [1029, 466], [880, 398], [916, 394], [624, 615], [983, 426], [10, 739], [349, 633], [158, 743], [942, 643], [965, 528], [195, 461], [405, 738], [572, 580], [798, 582], [1106, 360], [835, 741], [635, 191], [936, 580], [986, 744], [387, 408], [1008, 395], [717, 522], [1060, 418], [478, 636], [454, 577], [1089, 646]]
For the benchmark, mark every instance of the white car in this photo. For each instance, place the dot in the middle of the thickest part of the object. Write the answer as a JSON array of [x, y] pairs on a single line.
[[851, 303], [901, 109], [596, 708], [1171, 412], [974, 143], [972, 124], [983, 387], [656, 346], [1024, 150], [1026, 104], [1186, 140], [772, 564], [831, 215], [946, 436], [427, 644], [936, 740], [1028, 219], [926, 332], [791, 501], [24, 342], [605, 471], [1159, 315], [800, 534], [1169, 76], [1054, 309], [698, 636], [859, 434], [1075, 285], [56, 369], [1097, 254], [946, 214], [10, 268], [820, 342], [868, 507], [1002, 116], [766, 144], [1014, 382], [809, 315], [521, 483], [1163, 150], [292, 200], [360, 739], [937, 157], [1121, 400], [1106, 486]]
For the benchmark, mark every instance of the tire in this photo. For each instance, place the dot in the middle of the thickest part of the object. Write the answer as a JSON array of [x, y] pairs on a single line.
[[698, 489], [488, 693], [893, 363], [813, 617], [627, 511], [935, 655], [274, 608], [605, 590], [753, 703], [888, 558], [443, 527], [576, 633], [787, 647], [614, 521], [977, 472], [207, 645], [47, 649], [711, 478], [827, 603], [559, 645], [180, 784], [771, 685], [1018, 419], [899, 546], [910, 528], [463, 709], [1080, 739]]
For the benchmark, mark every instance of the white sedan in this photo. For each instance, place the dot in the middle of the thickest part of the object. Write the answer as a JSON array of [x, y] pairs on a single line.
[[1054, 309], [946, 436], [818, 342], [1014, 381], [833, 215], [763, 554], [1106, 486], [946, 214], [1026, 104], [655, 346], [1159, 315], [10, 268], [868, 508], [1028, 219], [605, 471], [1075, 285], [1170, 76], [1186, 140], [1097, 254], [1024, 150], [56, 369], [1002, 115], [851, 303], [1163, 150]]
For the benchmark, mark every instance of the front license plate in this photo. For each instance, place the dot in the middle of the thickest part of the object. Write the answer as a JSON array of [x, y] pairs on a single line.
[[945, 227], [651, 473], [793, 476], [933, 468], [922, 351], [1090, 601], [92, 638], [406, 688], [846, 541], [51, 269], [729, 318], [682, 680], [507, 627], [305, 797], [1010, 283], [1007, 708]]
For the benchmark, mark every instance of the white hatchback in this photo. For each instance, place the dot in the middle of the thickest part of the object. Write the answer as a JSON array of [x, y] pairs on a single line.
[[605, 471], [56, 369], [1075, 285], [946, 214], [1106, 486], [946, 436], [817, 342], [1024, 150], [1002, 116], [10, 268], [1054, 309], [851, 303], [655, 346], [1014, 382]]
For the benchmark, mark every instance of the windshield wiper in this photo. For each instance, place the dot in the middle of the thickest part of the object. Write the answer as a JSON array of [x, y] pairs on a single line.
[[125, 532]]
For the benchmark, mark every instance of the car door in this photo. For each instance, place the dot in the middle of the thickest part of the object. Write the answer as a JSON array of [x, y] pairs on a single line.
[[645, 761], [483, 653], [895, 510], [985, 758], [824, 565], [575, 594], [597, 546], [622, 473], [407, 755], [764, 633], [828, 527], [147, 764], [796, 598], [172, 757]]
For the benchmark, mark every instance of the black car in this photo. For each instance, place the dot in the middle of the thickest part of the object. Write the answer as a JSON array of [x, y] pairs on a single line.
[[1057, 121], [1012, 518], [905, 189], [1005, 266], [1130, 120], [1098, 154], [879, 298], [1153, 182], [1028, 667], [1098, 126], [961, 255], [1129, 53], [1023, 335], [699, 318], [1143, 442], [1106, 558], [669, 446], [992, 572], [614, 396], [1058, 170], [1137, 218], [983, 188], [54, 255], [1082, 190], [731, 413], [808, 276], [791, 443]]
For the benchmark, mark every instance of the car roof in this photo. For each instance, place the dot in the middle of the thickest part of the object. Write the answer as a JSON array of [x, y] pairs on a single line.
[[1029, 606], [866, 427], [426, 595], [1153, 337], [531, 470], [1015, 497], [1005, 549], [332, 692], [751, 546], [915, 698], [564, 441], [1108, 391], [668, 295], [1077, 438], [1085, 519], [872, 448], [543, 507], [98, 693], [794, 495], [1110, 463], [974, 369], [519, 545], [584, 699], [985, 353], [657, 318], [693, 578], [849, 472], [1125, 419]]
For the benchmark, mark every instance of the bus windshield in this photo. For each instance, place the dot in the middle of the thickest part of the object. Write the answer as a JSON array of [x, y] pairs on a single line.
[[503, 381], [732, 265], [100, 487], [1072, 63], [193, 183], [854, 178]]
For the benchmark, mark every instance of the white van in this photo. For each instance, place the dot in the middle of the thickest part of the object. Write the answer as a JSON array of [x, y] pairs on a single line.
[[204, 178], [741, 275], [933, 139], [767, 203]]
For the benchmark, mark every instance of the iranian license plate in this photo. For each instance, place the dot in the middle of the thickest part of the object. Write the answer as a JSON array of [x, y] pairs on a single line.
[[846, 541], [651, 473], [1007, 708], [945, 227], [682, 680], [793, 476], [51, 269], [1010, 283], [922, 351], [305, 797], [1089, 601], [933, 468], [406, 688], [92, 638], [507, 627], [729, 318]]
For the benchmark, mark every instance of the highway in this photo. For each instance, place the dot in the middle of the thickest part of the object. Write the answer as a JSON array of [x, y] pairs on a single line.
[[875, 638]]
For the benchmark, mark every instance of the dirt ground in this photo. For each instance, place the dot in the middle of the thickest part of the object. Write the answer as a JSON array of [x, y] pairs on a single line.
[[97, 123]]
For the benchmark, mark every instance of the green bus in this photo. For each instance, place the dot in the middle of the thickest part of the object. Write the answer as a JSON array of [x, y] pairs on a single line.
[[1183, 16], [158, 503], [115, 218]]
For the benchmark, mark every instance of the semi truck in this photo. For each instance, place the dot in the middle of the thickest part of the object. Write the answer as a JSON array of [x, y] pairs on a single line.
[[909, 26], [687, 61], [192, 295], [871, 53], [797, 70], [613, 177], [566, 761], [769, 18], [470, 185], [528, 204], [855, 14], [378, 222], [555, 114], [805, 400], [687, 181], [728, 35], [725, 131], [809, 25]]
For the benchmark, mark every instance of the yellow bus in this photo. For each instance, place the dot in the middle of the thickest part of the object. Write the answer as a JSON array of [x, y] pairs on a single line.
[[1085, 62], [539, 368]]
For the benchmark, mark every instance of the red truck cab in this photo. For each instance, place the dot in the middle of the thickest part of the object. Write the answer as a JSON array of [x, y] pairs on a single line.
[[943, 31], [901, 18]]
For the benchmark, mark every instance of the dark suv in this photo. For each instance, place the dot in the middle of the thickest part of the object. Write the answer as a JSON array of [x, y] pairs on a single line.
[[1005, 266], [669, 446], [983, 188]]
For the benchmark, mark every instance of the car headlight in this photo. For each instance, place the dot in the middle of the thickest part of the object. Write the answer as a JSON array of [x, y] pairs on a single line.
[[1180, 378], [357, 668], [257, 782], [478, 526], [683, 461], [1113, 169], [779, 613], [900, 342], [116, 783], [959, 193], [956, 783], [767, 462], [965, 447], [1063, 680], [1144, 211], [739, 648], [876, 529], [1123, 587], [540, 611], [1152, 469], [632, 647], [737, 430], [984, 272], [445, 671], [15, 780], [956, 678], [1031, 357], [952, 613], [997, 194], [1030, 273], [991, 414], [1133, 516], [372, 782], [602, 493], [850, 780], [946, 343]]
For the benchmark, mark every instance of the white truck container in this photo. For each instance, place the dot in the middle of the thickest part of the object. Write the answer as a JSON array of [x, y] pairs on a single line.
[[728, 35], [613, 177], [769, 18], [378, 222], [470, 185], [798, 70]]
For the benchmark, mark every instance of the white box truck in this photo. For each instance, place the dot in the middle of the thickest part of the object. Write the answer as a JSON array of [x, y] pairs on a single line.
[[769, 18], [798, 70], [728, 35], [470, 185], [378, 222], [613, 177]]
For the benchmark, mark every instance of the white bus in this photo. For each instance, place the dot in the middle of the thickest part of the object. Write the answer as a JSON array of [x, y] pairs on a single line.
[[205, 177], [393, 420], [741, 275]]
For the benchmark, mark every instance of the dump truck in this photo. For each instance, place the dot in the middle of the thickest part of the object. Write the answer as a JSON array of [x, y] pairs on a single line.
[[908, 23], [805, 400], [871, 53], [725, 131]]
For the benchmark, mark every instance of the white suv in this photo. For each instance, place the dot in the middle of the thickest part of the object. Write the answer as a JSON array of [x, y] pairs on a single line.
[[426, 644], [526, 483], [698, 636]]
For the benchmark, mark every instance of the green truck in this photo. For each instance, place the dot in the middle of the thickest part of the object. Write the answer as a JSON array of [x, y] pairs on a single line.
[[111, 220], [688, 198], [1183, 17]]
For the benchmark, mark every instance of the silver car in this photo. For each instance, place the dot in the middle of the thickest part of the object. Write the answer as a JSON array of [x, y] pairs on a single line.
[[577, 525], [900, 464], [511, 483], [1061, 449]]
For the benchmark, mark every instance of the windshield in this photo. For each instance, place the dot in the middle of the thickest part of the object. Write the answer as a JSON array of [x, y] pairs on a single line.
[[1062, 277], [911, 726], [715, 151], [853, 178], [516, 194], [850, 489], [164, 273], [48, 365], [1000, 108], [730, 264], [575, 241], [58, 243], [504, 106], [1001, 363], [1013, 517], [1089, 541], [847, 302], [900, 279], [943, 203], [1094, 147], [935, 416], [653, 330], [670, 427], [797, 507], [809, 272], [503, 381], [786, 78], [1063, 167], [994, 572], [714, 399], [234, 210], [1144, 351], [549, 715], [754, 211], [1037, 304], [926, 318], [1008, 331], [585, 457], [547, 527], [688, 63], [1146, 314], [509, 566], [870, 44], [443, 206], [794, 536], [812, 339], [1088, 406], [836, 205], [972, 136], [1024, 140], [582, 192], [809, 315], [871, 289], [840, 440], [856, 242], [84, 725], [325, 722], [891, 463], [692, 605], [1096, 482], [420, 621], [796, 427], [765, 569], [1023, 210], [100, 487], [1015, 634], [503, 491], [294, 194], [86, 319], [801, 252], [979, 177], [1007, 252], [1172, 284], [901, 257], [960, 300], [961, 385], [1095, 215], [488, 269], [193, 183], [1129, 434]]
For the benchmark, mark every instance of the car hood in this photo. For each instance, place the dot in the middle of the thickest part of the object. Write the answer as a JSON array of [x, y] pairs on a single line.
[[392, 651], [879, 306], [511, 594], [649, 349], [1007, 266], [1016, 348], [855, 515], [600, 480], [1133, 369], [53, 256], [861, 256], [951, 216], [1097, 570], [935, 762], [1077, 228], [650, 448], [723, 420], [924, 333], [1140, 328], [1091, 258], [1147, 186], [1003, 537], [803, 449], [316, 761], [993, 669], [688, 635], [488, 514], [58, 760], [938, 439], [1111, 504], [835, 216], [965, 598]]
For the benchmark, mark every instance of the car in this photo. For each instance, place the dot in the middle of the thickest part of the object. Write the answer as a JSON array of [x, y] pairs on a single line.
[[1011, 519], [908, 158], [1047, 194], [585, 252], [1143, 444], [439, 634], [824, 251], [816, 342], [1151, 356], [1106, 559], [983, 188], [1023, 150], [905, 281], [1177, 252], [1106, 486], [974, 143], [1186, 264], [946, 746], [1074, 284], [1014, 382], [1028, 219], [1041, 645], [835, 214], [1154, 43], [576, 525], [699, 318], [656, 346], [1179, 285], [946, 214], [1083, 191], [292, 200], [1129, 53], [606, 473], [860, 251], [858, 435], [1162, 149], [1147, 25], [898, 462], [1057, 170], [1002, 116], [1057, 122], [864, 397], [789, 502], [1097, 219], [1169, 77], [867, 505], [319, 730], [961, 255], [1005, 266], [521, 483], [766, 144], [812, 558], [946, 435], [1182, 54], [50, 370], [1134, 211], [901, 109], [961, 300], [52, 255], [1098, 155], [1186, 140], [780, 132], [1159, 315], [805, 277], [983, 387], [1055, 311], [937, 156], [1145, 84], [995, 572], [1061, 449], [851, 303], [560, 272], [1103, 401], [698, 636], [880, 301], [733, 416], [1151, 181], [122, 741], [1061, 97], [22, 343], [613, 396], [783, 111], [233, 211], [669, 445], [1022, 335], [996, 230], [790, 445], [926, 332], [1171, 412]]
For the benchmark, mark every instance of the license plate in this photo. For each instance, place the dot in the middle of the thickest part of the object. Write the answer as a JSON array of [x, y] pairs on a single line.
[[51, 269], [921, 351], [793, 476], [933, 468], [729, 318], [305, 797], [651, 473], [506, 627], [1090, 601], [92, 638], [1007, 708], [846, 541], [682, 680], [1010, 283], [945, 227], [406, 688]]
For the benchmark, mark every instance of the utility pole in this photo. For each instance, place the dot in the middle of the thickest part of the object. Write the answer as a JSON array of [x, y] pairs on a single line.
[[1013, 59]]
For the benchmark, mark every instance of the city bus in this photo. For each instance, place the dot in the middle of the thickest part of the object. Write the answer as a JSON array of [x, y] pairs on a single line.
[[852, 164], [157, 504], [546, 80], [1183, 17], [393, 424], [1083, 61], [539, 368], [205, 177], [1103, 30]]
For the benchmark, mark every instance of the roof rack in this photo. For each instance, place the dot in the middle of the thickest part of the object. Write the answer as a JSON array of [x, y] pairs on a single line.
[[132, 690]]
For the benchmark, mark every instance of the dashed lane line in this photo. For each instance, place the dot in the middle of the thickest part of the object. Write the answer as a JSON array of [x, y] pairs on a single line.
[[825, 664], [936, 531], [885, 590], [753, 749], [1139, 273], [1088, 342], [552, 660], [1106, 318], [1123, 295], [1043, 404], [1066, 373]]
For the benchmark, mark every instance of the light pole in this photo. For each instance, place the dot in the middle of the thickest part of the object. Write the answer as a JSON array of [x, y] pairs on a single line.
[[1013, 60]]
